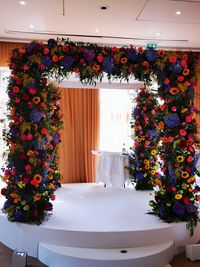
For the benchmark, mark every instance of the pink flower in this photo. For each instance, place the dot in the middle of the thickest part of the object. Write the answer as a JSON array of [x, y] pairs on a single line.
[[29, 136], [182, 132], [42, 66], [15, 89], [23, 137], [100, 58], [13, 172], [26, 180], [28, 168], [53, 197], [17, 100], [32, 91], [153, 112], [26, 67], [173, 108], [188, 118], [46, 51]]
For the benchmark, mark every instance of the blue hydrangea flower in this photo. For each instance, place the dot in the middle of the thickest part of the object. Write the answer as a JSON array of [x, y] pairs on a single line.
[[136, 112], [164, 211], [36, 115], [172, 120], [18, 215], [178, 209], [6, 204], [139, 176], [172, 176], [151, 55], [108, 64], [176, 67], [51, 43], [47, 61], [67, 62], [132, 55], [152, 133]]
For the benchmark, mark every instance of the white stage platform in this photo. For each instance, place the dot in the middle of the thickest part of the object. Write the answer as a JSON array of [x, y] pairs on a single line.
[[90, 226]]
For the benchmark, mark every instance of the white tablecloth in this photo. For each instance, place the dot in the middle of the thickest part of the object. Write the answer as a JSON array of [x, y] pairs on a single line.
[[111, 168]]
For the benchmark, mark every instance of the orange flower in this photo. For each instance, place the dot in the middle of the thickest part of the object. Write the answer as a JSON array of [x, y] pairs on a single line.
[[189, 142], [50, 176], [30, 153], [55, 58], [184, 174], [96, 67], [36, 100], [146, 166], [166, 81], [35, 183], [161, 125], [37, 197], [173, 90], [186, 72], [37, 177], [13, 195], [184, 110], [124, 60], [173, 59], [191, 180], [189, 158], [158, 182], [146, 72]]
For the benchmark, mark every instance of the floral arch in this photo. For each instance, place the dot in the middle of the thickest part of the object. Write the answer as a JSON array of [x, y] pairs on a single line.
[[32, 173]]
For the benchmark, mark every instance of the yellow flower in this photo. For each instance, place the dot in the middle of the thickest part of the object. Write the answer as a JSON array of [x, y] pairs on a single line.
[[124, 60], [153, 172], [178, 196], [36, 100], [180, 159], [153, 152], [146, 161], [184, 174], [146, 166]]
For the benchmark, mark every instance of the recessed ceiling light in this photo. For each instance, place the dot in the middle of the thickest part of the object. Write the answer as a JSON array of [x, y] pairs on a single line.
[[104, 7], [96, 30], [178, 12], [23, 3], [31, 26]]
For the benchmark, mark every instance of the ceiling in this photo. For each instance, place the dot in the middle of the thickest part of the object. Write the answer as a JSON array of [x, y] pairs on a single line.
[[112, 22]]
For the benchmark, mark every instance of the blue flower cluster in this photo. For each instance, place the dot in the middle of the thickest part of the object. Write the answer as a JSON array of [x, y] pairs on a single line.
[[172, 120]]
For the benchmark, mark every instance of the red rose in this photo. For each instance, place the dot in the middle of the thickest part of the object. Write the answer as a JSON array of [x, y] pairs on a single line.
[[25, 97], [180, 78], [46, 51], [43, 131], [3, 191]]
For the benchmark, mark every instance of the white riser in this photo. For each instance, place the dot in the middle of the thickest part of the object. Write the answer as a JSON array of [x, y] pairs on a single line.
[[150, 256]]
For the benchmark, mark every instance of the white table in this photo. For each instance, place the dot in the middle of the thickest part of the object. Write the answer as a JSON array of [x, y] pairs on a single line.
[[111, 168]]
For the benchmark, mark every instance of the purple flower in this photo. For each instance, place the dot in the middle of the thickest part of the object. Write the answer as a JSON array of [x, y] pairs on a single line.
[[18, 215], [14, 131], [164, 212], [178, 209], [136, 112], [6, 204], [172, 120], [67, 62], [191, 208], [89, 54]]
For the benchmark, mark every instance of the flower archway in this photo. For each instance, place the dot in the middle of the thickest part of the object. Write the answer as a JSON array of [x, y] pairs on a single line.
[[31, 173]]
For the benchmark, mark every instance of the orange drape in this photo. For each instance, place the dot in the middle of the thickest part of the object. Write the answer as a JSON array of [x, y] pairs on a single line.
[[80, 135], [5, 51]]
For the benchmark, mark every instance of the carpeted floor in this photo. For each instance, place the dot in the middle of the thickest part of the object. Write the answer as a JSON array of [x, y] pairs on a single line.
[[6, 260]]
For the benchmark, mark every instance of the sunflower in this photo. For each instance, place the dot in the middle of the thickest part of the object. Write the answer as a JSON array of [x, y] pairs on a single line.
[[146, 161], [124, 60], [50, 176], [161, 53], [153, 172], [37, 177], [184, 174], [180, 158], [186, 72], [96, 67], [178, 196], [153, 152], [146, 166], [36, 100], [173, 90]]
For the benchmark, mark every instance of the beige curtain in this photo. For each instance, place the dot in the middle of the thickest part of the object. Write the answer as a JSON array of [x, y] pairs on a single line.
[[5, 52], [80, 135]]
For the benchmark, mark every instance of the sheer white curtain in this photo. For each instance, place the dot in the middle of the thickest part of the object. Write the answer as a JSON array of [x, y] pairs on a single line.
[[115, 114]]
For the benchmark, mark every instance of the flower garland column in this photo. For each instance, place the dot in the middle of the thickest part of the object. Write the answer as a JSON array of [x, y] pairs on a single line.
[[144, 169]]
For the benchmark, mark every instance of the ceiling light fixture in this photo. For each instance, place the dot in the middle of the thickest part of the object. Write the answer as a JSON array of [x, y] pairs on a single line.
[[158, 33], [31, 26], [96, 30], [178, 12], [23, 3]]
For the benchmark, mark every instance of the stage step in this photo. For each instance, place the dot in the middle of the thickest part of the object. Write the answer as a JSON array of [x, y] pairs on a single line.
[[149, 256]]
